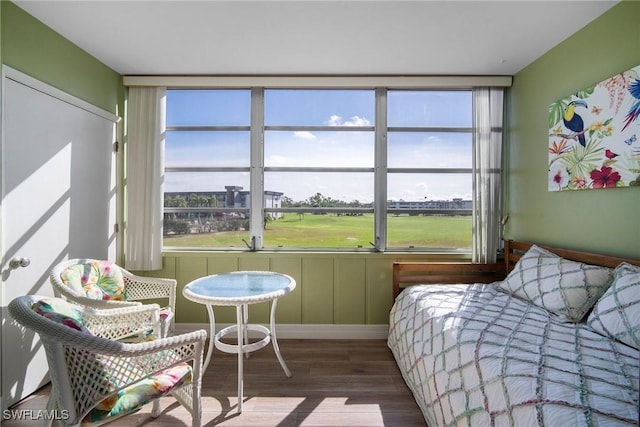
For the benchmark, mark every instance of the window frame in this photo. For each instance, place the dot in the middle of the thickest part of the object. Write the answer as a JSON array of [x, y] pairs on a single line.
[[380, 170], [426, 170]]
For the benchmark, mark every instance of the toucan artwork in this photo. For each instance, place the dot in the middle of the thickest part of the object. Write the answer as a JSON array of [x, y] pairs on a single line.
[[593, 136], [573, 121], [634, 111]]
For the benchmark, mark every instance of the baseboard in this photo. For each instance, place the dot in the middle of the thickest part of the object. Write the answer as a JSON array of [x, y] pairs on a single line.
[[300, 331]]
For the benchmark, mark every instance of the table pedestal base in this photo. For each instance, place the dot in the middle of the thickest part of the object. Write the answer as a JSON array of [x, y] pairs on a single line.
[[243, 347]]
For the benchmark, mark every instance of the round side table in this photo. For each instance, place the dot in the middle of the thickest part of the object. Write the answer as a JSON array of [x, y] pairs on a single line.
[[239, 289]]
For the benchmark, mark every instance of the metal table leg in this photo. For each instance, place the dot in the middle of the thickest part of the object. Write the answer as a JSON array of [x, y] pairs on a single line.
[[242, 334], [212, 334], [274, 341]]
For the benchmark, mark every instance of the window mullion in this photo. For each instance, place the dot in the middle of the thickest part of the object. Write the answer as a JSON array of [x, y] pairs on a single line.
[[184, 128], [380, 176], [257, 168]]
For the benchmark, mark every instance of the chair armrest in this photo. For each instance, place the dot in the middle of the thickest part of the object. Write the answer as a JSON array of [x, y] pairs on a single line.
[[150, 357], [118, 323], [142, 287], [169, 343]]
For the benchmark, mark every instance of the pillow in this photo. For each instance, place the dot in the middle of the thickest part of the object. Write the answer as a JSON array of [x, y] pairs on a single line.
[[61, 312], [101, 280], [140, 393], [568, 289], [617, 312]]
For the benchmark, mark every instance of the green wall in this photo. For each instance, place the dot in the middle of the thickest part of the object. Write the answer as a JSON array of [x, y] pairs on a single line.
[[605, 220], [35, 49]]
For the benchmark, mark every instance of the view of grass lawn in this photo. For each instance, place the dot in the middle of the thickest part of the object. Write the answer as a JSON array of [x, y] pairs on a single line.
[[451, 232], [342, 232]]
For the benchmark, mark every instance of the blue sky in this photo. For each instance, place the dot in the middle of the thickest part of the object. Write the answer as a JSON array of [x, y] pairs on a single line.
[[306, 148]]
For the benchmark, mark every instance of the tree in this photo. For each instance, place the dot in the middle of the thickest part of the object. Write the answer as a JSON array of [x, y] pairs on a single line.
[[316, 200], [194, 200], [287, 202]]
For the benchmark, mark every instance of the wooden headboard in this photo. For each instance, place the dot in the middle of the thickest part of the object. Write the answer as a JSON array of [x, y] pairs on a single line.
[[408, 273], [513, 250]]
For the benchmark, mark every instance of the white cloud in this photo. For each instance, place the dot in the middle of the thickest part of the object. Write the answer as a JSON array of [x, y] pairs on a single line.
[[357, 121], [304, 134], [336, 120]]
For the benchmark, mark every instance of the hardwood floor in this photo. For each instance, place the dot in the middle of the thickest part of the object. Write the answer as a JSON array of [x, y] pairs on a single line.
[[335, 383]]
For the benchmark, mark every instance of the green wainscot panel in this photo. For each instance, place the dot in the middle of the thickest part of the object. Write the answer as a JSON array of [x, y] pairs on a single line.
[[168, 269], [317, 290], [349, 291], [188, 269], [379, 295], [217, 265], [289, 309]]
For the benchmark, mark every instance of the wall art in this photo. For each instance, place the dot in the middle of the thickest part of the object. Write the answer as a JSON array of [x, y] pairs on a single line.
[[594, 136]]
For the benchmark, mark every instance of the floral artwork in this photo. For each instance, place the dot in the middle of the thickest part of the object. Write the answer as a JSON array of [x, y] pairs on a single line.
[[593, 136]]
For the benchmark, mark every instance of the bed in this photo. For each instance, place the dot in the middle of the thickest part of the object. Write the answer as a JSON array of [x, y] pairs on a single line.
[[550, 337]]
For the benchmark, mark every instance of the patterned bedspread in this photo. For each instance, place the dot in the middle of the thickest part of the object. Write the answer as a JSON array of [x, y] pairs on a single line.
[[475, 356]]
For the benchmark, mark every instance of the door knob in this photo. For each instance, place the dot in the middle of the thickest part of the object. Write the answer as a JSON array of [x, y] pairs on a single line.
[[19, 262]]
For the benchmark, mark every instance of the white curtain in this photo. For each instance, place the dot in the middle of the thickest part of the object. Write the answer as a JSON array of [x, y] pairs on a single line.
[[487, 164], [144, 178]]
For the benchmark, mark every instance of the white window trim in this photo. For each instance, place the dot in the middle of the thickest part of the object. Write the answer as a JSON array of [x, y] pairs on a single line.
[[315, 82], [380, 169]]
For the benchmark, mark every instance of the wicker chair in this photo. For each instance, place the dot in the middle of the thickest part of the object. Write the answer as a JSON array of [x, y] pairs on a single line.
[[102, 284], [95, 378]]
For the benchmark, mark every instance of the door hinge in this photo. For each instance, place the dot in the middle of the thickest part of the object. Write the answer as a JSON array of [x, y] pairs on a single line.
[[116, 228], [116, 146]]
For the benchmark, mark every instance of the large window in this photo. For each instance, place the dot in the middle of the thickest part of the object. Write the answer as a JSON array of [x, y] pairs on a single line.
[[429, 152], [342, 169], [207, 168], [319, 151]]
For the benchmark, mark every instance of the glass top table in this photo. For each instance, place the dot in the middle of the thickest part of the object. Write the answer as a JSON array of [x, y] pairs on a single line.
[[239, 289]]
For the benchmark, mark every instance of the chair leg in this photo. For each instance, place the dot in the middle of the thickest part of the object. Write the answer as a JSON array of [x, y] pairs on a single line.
[[51, 406], [196, 408], [155, 409]]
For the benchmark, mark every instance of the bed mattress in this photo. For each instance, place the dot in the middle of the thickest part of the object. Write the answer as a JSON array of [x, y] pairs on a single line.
[[475, 356]]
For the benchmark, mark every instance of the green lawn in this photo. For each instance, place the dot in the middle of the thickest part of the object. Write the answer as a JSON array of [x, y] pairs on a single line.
[[429, 231], [344, 232]]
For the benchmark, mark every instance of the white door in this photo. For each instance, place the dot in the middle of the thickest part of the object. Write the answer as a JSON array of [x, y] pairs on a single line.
[[58, 202]]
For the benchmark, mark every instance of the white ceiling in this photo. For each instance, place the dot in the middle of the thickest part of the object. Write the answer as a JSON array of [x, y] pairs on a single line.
[[420, 37]]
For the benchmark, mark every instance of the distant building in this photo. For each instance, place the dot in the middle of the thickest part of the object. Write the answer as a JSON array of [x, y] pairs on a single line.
[[234, 197], [453, 204]]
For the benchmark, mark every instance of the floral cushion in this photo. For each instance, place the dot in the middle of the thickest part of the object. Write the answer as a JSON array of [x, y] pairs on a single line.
[[166, 314], [60, 311], [100, 280], [568, 289], [140, 393], [617, 312]]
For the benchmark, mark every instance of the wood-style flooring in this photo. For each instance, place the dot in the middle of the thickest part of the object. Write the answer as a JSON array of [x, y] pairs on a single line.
[[337, 383]]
